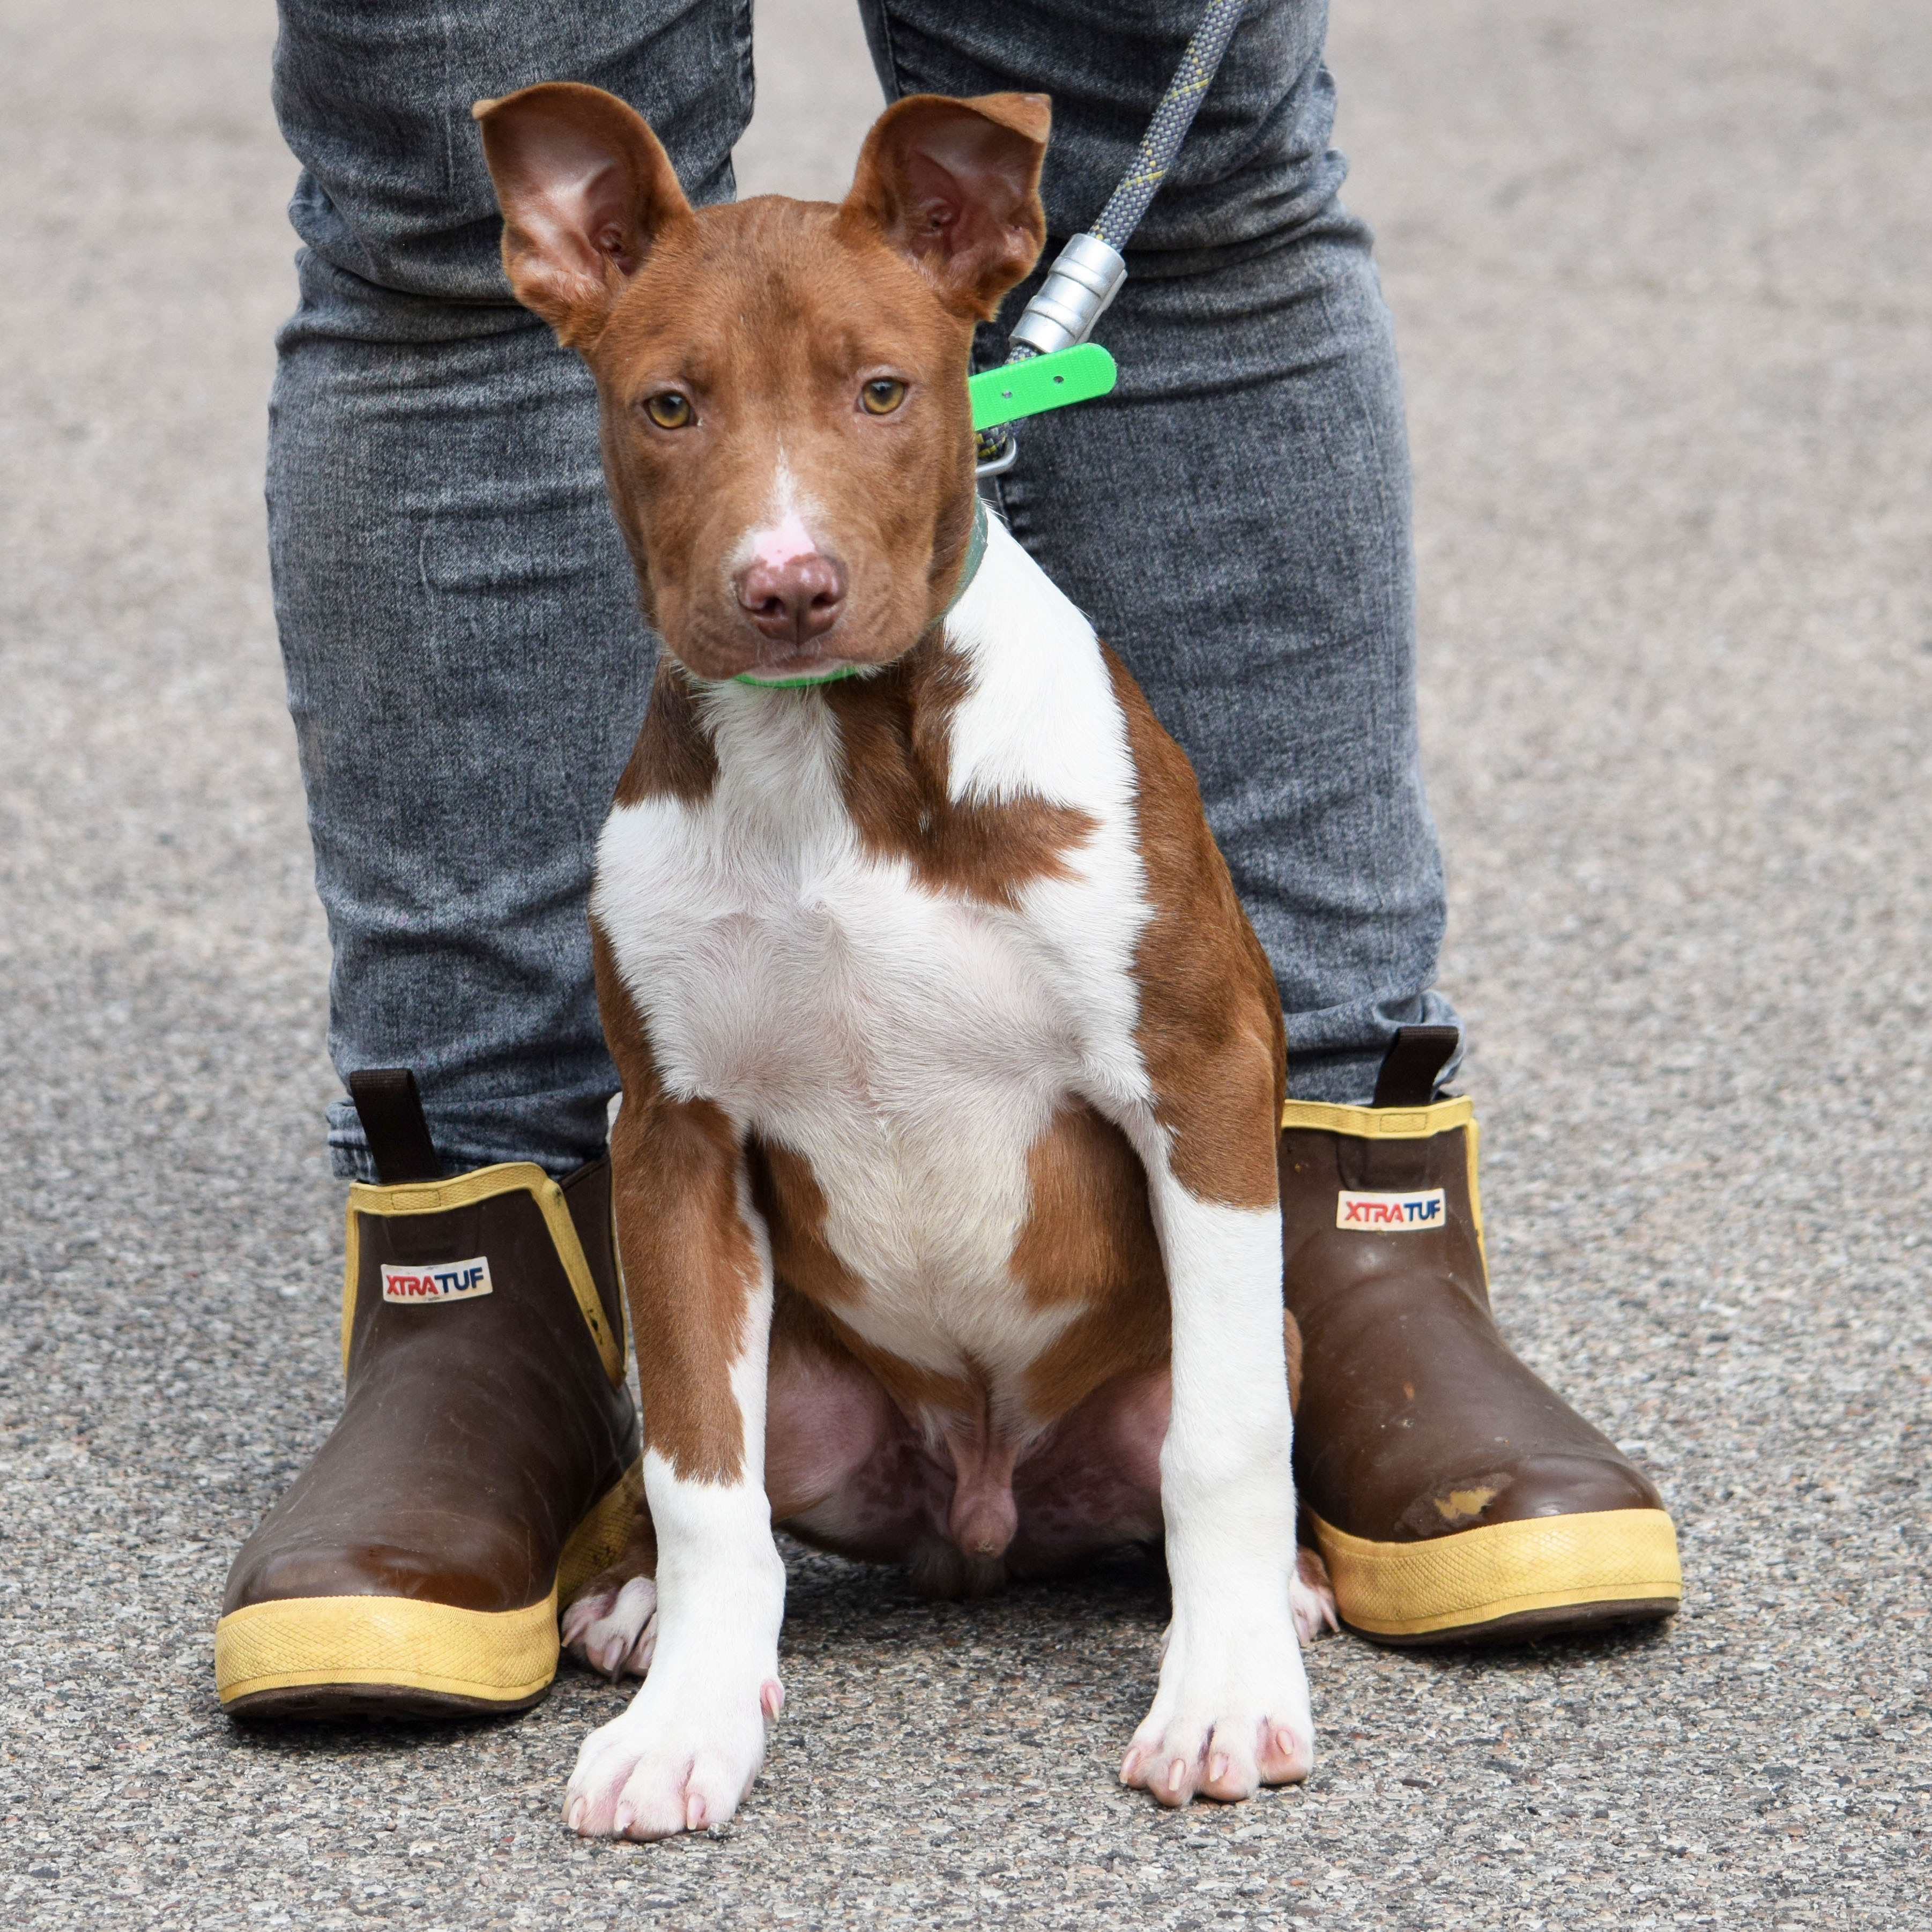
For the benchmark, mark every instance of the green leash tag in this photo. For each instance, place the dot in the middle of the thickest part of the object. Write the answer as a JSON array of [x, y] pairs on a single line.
[[1041, 382]]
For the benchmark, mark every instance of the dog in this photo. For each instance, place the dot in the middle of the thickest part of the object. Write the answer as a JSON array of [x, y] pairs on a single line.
[[945, 1171]]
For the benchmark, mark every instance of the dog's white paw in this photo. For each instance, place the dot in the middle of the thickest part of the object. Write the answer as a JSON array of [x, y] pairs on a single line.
[[1231, 1715], [1311, 1597], [614, 1630], [680, 1759]]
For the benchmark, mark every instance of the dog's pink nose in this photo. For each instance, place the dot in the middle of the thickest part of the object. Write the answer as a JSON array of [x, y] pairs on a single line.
[[793, 601]]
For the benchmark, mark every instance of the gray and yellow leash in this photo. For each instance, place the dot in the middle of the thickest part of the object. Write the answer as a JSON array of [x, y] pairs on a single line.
[[1050, 362]]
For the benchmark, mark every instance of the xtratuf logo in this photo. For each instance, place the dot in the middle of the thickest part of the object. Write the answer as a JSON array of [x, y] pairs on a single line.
[[440, 1281], [1391, 1213]]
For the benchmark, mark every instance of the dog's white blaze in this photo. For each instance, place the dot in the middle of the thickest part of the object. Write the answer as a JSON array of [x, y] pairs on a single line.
[[911, 1045], [786, 531], [780, 543]]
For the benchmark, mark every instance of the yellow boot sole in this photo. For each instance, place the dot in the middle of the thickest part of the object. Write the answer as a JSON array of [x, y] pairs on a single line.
[[1507, 1582], [399, 1657]]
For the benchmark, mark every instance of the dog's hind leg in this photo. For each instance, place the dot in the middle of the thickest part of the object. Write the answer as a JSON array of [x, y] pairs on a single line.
[[1311, 1596], [611, 1624]]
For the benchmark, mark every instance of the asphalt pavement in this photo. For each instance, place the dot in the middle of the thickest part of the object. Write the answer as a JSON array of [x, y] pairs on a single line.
[[1662, 274]]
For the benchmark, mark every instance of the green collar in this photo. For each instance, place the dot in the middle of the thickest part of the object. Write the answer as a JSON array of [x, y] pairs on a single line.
[[975, 549]]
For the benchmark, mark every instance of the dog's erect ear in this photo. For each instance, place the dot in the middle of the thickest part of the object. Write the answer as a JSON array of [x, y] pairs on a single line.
[[585, 188], [956, 185]]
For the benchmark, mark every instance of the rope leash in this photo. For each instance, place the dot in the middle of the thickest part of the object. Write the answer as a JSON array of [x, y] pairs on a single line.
[[1050, 337]]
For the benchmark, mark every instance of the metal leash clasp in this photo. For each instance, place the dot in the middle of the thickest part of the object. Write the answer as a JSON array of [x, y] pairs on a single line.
[[997, 449], [1085, 277]]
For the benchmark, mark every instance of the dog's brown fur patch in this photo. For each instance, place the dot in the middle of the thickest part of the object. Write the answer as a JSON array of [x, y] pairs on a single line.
[[787, 1192], [895, 729], [1211, 1029], [674, 756], [1089, 1239]]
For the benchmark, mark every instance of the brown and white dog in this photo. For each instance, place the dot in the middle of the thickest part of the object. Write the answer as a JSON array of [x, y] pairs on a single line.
[[946, 1166]]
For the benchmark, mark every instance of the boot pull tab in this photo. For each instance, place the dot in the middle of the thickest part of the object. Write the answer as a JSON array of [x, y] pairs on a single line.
[[1412, 1065], [392, 1113]]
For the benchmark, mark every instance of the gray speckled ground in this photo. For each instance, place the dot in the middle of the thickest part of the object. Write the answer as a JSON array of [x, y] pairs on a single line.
[[1664, 275]]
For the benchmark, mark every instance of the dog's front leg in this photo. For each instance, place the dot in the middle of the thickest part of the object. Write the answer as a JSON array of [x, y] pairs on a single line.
[[1232, 1710], [697, 1268]]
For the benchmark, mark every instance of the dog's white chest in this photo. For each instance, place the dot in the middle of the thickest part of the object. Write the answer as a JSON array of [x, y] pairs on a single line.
[[907, 1042], [912, 1043], [796, 978]]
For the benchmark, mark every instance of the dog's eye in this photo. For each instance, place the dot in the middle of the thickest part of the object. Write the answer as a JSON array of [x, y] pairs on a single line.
[[882, 395], [669, 410]]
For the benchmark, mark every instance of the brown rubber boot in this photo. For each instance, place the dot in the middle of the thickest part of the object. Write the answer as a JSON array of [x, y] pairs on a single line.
[[486, 1464], [1454, 1496]]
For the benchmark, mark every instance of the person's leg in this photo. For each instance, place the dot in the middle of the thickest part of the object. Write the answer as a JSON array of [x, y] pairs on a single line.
[[467, 666], [1235, 518], [467, 669]]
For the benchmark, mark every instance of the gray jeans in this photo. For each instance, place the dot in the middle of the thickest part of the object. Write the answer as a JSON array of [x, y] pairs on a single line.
[[466, 666]]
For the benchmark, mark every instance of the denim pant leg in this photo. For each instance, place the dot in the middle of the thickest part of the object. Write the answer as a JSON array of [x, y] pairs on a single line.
[[1236, 516], [466, 663]]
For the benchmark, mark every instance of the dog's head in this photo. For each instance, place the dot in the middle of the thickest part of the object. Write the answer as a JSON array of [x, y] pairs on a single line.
[[786, 433]]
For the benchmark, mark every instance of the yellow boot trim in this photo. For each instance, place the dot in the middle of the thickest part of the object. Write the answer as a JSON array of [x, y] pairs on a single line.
[[1395, 1123], [598, 1540], [1476, 1576], [402, 1643], [465, 1190], [1380, 1124], [399, 1643]]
